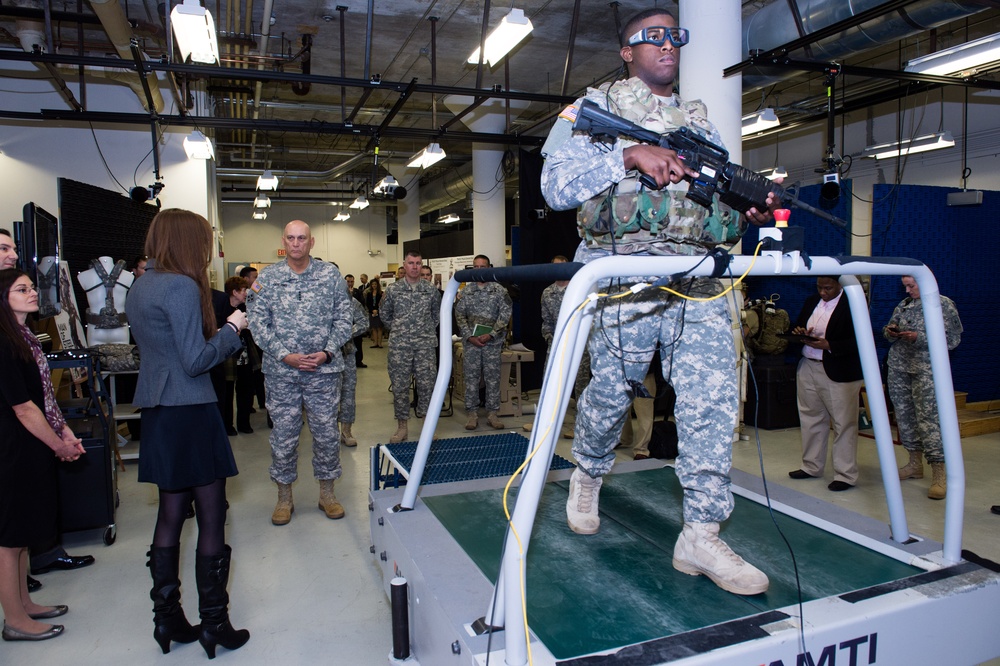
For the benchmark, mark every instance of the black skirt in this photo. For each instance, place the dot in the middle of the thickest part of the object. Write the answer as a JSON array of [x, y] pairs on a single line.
[[184, 447]]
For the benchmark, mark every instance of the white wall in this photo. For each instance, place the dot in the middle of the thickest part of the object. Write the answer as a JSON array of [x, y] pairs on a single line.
[[346, 243]]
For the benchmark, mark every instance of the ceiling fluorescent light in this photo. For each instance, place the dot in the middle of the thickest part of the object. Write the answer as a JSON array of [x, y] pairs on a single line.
[[262, 201], [907, 147], [432, 154], [512, 30], [267, 181], [198, 146], [958, 59], [341, 216], [448, 219], [260, 215], [194, 30], [760, 121], [360, 203]]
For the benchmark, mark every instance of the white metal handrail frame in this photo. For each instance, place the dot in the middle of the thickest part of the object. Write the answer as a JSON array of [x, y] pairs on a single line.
[[556, 389]]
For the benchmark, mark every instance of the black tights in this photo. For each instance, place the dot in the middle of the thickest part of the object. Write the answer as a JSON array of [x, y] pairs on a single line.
[[210, 505]]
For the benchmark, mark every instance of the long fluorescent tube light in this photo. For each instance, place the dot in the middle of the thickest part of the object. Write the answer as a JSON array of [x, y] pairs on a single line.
[[260, 215], [907, 147], [512, 30], [760, 121], [194, 30], [448, 219], [198, 146], [267, 181], [427, 156], [360, 203], [262, 201], [341, 216], [958, 59]]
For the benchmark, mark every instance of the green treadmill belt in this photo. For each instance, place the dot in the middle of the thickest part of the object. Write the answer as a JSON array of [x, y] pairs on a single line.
[[595, 593]]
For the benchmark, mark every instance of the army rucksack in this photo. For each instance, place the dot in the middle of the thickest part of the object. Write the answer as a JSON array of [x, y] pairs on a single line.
[[773, 320]]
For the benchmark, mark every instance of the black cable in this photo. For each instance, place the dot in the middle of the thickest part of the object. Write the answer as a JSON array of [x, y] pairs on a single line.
[[105, 161]]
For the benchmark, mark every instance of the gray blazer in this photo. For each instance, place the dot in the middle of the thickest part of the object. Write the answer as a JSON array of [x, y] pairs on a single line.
[[165, 314]]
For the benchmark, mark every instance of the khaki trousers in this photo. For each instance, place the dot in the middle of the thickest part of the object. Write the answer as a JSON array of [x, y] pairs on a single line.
[[826, 404]]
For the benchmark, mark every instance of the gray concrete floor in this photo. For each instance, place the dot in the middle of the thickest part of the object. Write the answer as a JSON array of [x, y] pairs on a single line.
[[309, 592]]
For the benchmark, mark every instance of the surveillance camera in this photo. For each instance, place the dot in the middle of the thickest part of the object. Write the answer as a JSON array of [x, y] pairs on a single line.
[[143, 194], [829, 191]]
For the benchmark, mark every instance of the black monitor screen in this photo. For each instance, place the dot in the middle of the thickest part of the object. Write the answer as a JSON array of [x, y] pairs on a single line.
[[38, 255]]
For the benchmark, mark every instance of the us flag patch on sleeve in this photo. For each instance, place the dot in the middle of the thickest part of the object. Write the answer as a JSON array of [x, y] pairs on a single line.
[[256, 286], [569, 113]]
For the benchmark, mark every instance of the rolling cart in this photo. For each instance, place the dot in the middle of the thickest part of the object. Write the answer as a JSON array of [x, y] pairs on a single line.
[[88, 487]]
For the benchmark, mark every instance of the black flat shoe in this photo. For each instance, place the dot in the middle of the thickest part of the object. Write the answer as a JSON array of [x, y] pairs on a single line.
[[839, 486], [65, 563], [245, 429], [801, 474], [56, 611], [231, 431], [12, 634], [995, 509], [34, 585]]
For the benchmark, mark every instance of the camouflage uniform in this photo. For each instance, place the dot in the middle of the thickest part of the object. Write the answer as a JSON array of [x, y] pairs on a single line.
[[411, 312], [301, 313], [552, 298], [488, 304], [911, 384], [349, 383], [618, 216]]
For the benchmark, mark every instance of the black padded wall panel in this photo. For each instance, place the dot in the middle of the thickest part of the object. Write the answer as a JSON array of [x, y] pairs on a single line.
[[96, 223]]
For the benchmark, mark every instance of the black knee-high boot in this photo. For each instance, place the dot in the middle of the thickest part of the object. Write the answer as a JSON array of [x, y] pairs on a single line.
[[212, 572], [168, 616]]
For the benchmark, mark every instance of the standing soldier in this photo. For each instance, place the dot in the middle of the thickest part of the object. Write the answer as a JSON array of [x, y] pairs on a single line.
[[349, 384], [911, 384], [620, 215], [483, 313], [300, 312], [410, 309]]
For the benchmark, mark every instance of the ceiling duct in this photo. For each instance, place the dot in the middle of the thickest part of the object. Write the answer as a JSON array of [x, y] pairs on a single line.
[[331, 174], [120, 33], [776, 24]]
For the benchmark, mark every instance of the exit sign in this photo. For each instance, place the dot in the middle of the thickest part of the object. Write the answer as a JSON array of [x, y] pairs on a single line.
[[281, 252]]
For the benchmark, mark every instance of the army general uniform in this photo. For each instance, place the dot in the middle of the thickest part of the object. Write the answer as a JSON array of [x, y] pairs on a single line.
[[485, 304], [411, 312], [619, 216], [301, 313]]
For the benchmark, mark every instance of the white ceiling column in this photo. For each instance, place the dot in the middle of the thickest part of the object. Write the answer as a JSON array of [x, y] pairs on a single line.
[[408, 208], [488, 209], [716, 43]]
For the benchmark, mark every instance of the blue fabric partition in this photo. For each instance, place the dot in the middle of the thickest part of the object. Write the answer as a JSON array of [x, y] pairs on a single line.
[[821, 239], [958, 244]]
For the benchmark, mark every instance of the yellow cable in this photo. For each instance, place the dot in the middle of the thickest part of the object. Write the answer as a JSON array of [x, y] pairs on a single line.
[[705, 299], [540, 438]]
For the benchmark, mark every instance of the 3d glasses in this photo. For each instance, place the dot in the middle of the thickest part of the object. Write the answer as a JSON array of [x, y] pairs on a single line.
[[658, 35]]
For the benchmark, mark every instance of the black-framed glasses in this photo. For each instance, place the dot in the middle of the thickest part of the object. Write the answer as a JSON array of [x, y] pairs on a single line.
[[658, 35], [23, 290]]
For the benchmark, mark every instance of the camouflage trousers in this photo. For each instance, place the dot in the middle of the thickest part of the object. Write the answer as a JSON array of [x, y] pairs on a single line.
[[582, 373], [698, 358], [915, 406], [482, 363], [406, 364], [348, 388], [318, 394]]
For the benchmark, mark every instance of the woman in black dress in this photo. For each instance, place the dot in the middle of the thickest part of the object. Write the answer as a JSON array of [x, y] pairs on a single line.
[[373, 300], [33, 435], [185, 450]]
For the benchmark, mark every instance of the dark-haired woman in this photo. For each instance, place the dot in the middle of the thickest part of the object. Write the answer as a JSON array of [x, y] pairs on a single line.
[[185, 450], [33, 435]]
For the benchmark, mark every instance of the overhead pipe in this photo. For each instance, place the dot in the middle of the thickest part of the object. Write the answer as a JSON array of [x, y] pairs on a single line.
[[776, 25], [265, 33], [120, 33]]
